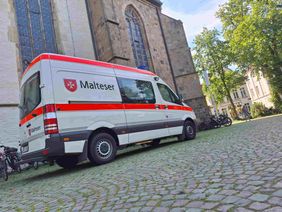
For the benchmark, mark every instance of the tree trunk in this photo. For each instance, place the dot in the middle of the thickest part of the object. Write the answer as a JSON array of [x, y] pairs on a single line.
[[222, 77], [230, 100]]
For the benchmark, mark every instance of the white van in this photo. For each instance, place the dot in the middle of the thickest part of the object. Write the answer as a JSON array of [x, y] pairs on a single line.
[[74, 109]]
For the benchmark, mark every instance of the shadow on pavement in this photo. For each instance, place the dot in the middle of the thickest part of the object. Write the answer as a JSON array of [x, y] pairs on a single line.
[[87, 165]]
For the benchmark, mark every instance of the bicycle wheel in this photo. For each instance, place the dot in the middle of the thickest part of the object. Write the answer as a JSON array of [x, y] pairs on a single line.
[[228, 122], [3, 170], [17, 165], [13, 163]]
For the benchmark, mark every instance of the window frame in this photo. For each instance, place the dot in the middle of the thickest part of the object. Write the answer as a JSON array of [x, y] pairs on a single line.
[[236, 95], [120, 85], [36, 30], [178, 100], [137, 36], [23, 105], [243, 92]]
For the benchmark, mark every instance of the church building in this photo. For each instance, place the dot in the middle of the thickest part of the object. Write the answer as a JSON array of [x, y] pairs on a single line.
[[127, 32]]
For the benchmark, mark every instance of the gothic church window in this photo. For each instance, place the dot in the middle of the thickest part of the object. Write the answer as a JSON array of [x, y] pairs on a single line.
[[137, 37], [35, 28]]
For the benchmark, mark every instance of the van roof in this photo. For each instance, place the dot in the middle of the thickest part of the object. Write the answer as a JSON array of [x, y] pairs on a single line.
[[65, 58]]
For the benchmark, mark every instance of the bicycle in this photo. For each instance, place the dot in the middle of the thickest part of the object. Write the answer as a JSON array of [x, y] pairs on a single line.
[[214, 122], [3, 166], [224, 120], [12, 158]]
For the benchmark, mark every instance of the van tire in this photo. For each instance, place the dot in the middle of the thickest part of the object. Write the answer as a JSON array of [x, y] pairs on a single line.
[[189, 131], [102, 148], [67, 162]]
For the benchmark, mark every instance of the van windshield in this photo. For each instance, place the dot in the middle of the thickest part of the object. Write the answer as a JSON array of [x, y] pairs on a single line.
[[30, 95]]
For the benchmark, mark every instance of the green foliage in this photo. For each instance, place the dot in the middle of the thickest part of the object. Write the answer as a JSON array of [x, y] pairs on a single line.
[[253, 28], [276, 99], [258, 110], [213, 55]]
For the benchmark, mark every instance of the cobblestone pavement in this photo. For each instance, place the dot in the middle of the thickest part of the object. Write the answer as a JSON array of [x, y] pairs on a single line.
[[229, 169]]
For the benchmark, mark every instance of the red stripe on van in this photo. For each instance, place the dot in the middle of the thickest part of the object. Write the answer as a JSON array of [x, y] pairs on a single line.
[[176, 107], [73, 107], [84, 61], [34, 61], [76, 107], [33, 114]]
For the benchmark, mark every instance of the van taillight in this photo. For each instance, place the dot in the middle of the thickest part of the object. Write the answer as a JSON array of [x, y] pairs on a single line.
[[50, 120]]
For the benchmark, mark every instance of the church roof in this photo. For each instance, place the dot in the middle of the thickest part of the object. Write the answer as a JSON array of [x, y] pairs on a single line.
[[156, 2]]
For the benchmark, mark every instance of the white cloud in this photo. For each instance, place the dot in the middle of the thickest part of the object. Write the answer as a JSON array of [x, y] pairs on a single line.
[[194, 23]]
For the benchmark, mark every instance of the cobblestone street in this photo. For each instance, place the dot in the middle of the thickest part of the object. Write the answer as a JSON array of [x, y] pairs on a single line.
[[237, 168]]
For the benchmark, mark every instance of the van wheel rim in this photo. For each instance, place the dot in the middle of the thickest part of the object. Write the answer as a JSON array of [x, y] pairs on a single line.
[[190, 130], [104, 149]]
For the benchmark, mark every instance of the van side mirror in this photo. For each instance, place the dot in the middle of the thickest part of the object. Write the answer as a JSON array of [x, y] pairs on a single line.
[[181, 99]]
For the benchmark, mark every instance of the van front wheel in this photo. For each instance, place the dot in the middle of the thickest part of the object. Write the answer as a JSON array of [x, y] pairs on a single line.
[[189, 131], [67, 162], [102, 149]]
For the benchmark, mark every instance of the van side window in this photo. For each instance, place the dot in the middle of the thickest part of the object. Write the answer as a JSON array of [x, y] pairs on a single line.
[[136, 91], [168, 95]]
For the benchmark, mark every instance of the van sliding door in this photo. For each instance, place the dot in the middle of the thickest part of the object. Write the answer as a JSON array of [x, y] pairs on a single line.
[[145, 121]]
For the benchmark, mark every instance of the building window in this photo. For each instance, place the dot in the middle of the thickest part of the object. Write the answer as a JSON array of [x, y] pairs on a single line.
[[243, 92], [235, 95], [137, 37], [252, 93], [257, 90], [35, 28], [248, 106]]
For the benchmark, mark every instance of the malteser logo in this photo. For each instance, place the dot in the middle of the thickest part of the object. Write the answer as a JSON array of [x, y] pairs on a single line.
[[70, 84]]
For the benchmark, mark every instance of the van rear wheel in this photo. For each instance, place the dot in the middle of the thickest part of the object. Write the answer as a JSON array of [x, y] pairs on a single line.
[[102, 149], [67, 162]]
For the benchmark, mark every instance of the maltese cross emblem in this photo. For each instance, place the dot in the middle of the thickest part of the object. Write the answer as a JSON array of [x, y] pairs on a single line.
[[70, 85]]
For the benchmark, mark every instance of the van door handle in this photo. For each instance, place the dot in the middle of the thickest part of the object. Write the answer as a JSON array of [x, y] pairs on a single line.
[[166, 106], [28, 125], [157, 106]]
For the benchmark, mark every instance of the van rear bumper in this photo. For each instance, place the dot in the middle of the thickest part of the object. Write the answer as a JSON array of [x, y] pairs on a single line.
[[54, 146]]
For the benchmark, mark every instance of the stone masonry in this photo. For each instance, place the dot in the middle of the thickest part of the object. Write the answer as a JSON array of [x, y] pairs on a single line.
[[98, 29], [170, 55], [73, 38], [113, 42], [9, 58], [186, 78], [72, 29]]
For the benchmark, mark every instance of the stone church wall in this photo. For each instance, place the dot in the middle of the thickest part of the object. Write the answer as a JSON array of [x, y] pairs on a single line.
[[109, 17], [187, 80], [73, 36]]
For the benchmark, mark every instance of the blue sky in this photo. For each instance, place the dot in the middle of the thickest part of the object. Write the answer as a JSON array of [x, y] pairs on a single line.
[[195, 14]]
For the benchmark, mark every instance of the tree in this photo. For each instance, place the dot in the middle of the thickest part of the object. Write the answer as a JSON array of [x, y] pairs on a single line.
[[213, 55], [253, 28]]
